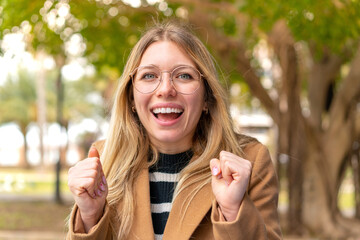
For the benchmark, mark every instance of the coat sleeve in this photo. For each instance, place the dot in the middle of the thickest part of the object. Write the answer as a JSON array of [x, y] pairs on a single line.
[[100, 231], [257, 217]]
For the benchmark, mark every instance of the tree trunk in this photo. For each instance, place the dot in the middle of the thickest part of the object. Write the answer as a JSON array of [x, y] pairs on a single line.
[[316, 210], [322, 75], [291, 125], [65, 149], [59, 118], [23, 161], [323, 174], [41, 106], [355, 165], [354, 155]]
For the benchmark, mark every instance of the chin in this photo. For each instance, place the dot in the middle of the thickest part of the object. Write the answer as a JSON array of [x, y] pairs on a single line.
[[166, 138]]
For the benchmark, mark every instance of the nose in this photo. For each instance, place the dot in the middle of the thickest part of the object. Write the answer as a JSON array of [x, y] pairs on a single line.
[[166, 87]]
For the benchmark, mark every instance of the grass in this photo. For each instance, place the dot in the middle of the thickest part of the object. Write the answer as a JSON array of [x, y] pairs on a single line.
[[30, 182], [20, 212], [34, 216]]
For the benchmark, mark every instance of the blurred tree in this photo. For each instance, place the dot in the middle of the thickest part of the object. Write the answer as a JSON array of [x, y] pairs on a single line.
[[41, 23], [48, 28], [85, 140], [312, 101], [18, 104], [314, 51]]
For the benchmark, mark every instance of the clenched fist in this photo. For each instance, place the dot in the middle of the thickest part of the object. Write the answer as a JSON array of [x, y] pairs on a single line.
[[88, 186], [230, 179]]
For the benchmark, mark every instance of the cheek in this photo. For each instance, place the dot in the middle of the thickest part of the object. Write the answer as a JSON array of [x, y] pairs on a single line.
[[198, 101], [144, 115], [139, 100], [141, 103], [197, 105]]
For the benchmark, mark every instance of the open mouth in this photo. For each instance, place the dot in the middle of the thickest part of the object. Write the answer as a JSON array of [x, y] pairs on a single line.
[[167, 114]]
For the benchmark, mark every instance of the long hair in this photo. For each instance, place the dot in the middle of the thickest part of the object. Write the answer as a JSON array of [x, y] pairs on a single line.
[[127, 146]]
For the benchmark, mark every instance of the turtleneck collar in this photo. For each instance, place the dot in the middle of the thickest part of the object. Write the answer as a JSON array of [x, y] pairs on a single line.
[[172, 163]]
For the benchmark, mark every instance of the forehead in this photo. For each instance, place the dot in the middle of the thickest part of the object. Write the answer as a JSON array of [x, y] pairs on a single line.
[[165, 54]]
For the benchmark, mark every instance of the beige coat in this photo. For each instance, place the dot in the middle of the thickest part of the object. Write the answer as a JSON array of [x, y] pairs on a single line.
[[257, 217]]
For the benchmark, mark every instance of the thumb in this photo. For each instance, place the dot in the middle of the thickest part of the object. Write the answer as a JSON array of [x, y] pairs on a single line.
[[93, 152], [215, 167]]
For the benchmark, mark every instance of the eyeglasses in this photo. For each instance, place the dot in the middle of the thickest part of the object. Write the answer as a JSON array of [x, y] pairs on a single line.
[[185, 79]]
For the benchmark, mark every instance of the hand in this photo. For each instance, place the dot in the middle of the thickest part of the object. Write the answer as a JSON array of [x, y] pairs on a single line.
[[230, 179], [88, 186]]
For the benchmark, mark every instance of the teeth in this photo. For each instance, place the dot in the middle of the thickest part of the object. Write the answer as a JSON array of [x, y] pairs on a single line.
[[167, 110]]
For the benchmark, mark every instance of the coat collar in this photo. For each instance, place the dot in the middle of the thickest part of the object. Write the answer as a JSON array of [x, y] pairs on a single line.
[[178, 228], [175, 227], [142, 227]]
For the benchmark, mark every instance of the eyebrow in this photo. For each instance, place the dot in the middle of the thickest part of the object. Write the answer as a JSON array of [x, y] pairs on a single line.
[[177, 65]]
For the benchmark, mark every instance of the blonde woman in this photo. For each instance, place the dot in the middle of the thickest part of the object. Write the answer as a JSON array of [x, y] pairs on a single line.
[[172, 166]]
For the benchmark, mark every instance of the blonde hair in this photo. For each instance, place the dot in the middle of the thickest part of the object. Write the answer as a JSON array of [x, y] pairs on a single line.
[[127, 146]]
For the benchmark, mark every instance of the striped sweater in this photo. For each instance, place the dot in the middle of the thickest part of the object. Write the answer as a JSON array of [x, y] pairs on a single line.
[[163, 178]]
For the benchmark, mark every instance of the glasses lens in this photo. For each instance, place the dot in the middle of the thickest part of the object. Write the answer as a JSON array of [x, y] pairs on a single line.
[[146, 79], [186, 79]]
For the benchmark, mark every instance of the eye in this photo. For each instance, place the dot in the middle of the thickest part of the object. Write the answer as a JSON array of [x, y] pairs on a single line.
[[149, 76], [184, 76]]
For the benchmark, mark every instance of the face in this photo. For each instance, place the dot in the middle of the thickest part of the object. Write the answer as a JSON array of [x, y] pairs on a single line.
[[170, 118]]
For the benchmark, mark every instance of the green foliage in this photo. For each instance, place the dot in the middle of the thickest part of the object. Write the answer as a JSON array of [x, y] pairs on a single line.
[[326, 24], [82, 100], [30, 21], [18, 99], [226, 23], [110, 31], [13, 13]]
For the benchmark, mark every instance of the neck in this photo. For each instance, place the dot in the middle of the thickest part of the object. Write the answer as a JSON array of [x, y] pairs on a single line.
[[172, 148]]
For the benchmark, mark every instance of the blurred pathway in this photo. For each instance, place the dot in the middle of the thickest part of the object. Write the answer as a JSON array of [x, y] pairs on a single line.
[[33, 198], [32, 235], [25, 235]]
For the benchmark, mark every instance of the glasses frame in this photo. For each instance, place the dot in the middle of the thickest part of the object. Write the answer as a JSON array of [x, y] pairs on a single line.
[[131, 75]]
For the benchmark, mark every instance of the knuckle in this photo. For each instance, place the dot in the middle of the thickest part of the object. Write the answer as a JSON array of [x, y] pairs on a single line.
[[77, 193], [93, 174], [95, 164], [226, 164], [90, 182]]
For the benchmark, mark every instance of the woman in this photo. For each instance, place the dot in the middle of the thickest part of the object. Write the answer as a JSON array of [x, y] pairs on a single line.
[[172, 166]]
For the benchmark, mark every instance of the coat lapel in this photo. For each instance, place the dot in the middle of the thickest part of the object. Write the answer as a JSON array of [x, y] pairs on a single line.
[[181, 223], [178, 228], [142, 227]]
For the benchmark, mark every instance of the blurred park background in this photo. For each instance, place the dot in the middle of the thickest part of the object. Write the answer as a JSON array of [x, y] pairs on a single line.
[[292, 70]]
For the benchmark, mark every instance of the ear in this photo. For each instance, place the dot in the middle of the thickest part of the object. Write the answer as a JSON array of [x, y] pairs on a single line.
[[133, 108], [206, 108]]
